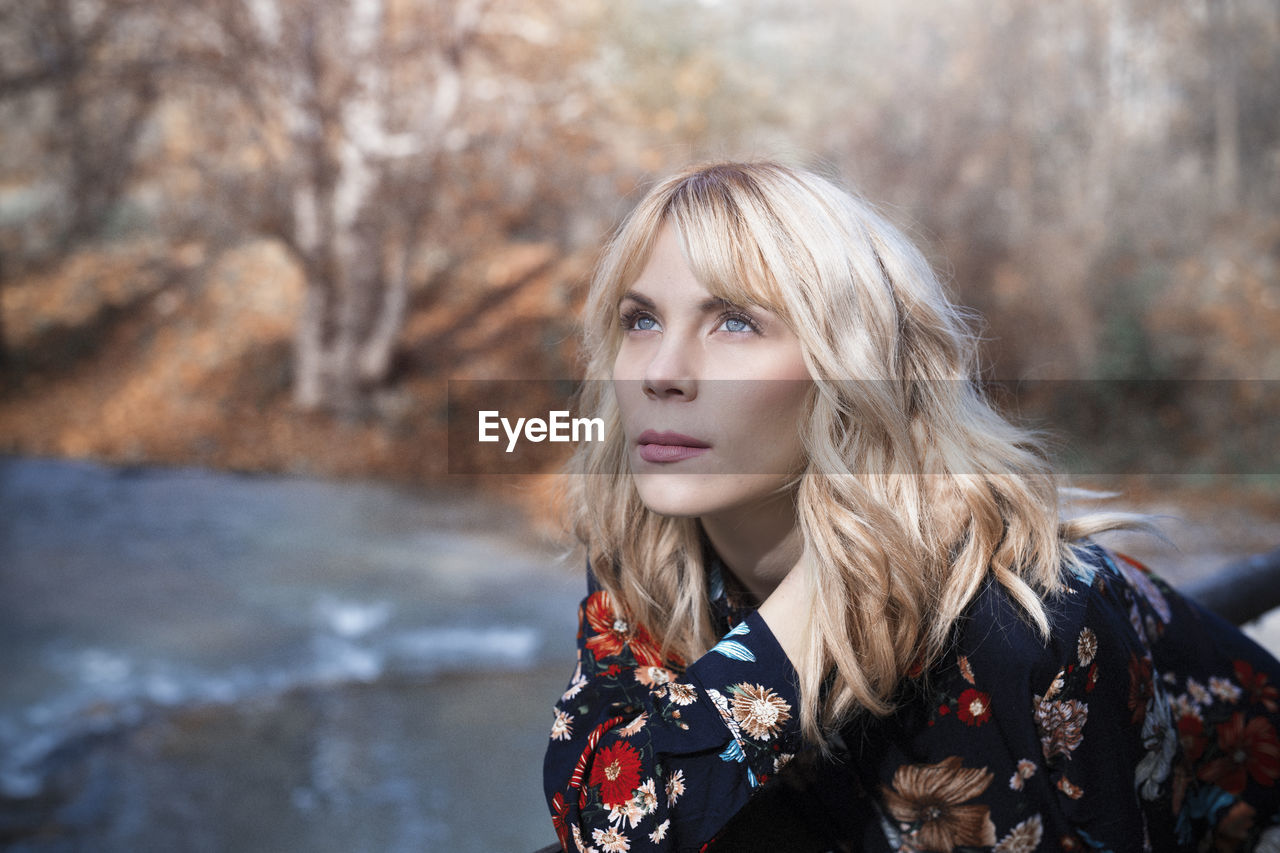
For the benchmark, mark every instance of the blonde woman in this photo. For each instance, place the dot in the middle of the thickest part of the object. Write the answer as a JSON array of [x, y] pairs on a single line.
[[832, 602]]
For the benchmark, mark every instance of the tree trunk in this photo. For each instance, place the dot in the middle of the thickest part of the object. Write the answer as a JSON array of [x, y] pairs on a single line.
[[379, 346], [1226, 107], [308, 348]]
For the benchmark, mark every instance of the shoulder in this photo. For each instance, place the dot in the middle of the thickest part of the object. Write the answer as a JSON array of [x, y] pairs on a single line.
[[1099, 595]]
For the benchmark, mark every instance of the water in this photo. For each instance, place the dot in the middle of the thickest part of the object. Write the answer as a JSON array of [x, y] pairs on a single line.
[[205, 661]]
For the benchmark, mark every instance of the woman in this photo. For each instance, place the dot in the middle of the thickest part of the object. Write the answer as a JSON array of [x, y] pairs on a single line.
[[832, 604]]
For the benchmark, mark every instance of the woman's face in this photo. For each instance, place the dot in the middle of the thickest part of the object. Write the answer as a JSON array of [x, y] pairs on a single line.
[[711, 394]]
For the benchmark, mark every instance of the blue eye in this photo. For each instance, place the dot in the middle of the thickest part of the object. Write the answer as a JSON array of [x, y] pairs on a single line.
[[738, 323], [638, 321]]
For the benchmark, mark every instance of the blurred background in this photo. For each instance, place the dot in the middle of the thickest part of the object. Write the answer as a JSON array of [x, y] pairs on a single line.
[[245, 244]]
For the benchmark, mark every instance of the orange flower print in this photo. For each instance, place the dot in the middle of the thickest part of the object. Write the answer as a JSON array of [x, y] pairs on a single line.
[[1233, 828], [974, 707], [1066, 787], [966, 671], [929, 801], [1249, 750], [1061, 725], [759, 711], [617, 771], [613, 633], [1026, 769]]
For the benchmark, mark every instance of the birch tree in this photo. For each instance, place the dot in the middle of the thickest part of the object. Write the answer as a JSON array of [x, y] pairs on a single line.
[[348, 107]]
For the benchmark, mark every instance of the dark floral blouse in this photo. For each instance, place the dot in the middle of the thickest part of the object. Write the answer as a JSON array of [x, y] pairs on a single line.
[[1145, 723]]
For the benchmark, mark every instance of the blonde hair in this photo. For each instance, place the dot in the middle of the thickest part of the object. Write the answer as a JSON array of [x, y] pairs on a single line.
[[916, 489]]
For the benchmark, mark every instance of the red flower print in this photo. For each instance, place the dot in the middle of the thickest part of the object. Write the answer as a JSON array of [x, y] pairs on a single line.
[[974, 707], [616, 770], [559, 811], [1140, 687], [1191, 734], [1249, 749], [1092, 680], [1255, 683], [613, 633]]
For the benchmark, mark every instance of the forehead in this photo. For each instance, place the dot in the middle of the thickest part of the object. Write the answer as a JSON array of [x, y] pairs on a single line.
[[701, 265], [666, 270]]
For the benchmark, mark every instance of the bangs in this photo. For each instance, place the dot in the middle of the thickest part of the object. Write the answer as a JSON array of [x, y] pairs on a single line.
[[729, 264], [730, 237]]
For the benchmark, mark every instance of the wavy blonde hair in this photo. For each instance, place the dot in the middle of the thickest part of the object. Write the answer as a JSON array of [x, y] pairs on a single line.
[[915, 490]]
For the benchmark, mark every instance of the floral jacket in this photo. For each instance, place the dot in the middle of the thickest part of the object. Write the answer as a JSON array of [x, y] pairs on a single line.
[[1145, 723]]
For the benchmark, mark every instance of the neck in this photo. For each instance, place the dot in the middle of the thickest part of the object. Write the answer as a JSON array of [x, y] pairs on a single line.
[[760, 544]]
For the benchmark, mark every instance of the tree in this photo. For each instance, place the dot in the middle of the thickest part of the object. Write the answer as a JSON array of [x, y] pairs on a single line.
[[86, 75], [332, 119]]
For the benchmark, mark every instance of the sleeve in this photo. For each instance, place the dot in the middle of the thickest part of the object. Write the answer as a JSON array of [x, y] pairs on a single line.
[[646, 754], [1145, 723]]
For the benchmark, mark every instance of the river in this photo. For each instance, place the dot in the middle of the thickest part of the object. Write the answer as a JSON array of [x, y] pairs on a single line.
[[207, 661]]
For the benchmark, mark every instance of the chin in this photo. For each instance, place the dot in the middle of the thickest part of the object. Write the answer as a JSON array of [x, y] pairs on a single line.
[[702, 495], [678, 495]]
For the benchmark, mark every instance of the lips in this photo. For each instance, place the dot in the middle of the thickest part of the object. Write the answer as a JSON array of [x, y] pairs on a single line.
[[669, 446]]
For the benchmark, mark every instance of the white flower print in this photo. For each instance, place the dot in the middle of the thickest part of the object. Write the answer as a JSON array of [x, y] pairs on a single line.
[[1023, 838], [722, 705], [675, 787], [631, 811], [653, 676], [683, 694], [1087, 646], [575, 687], [1224, 689], [635, 725], [1026, 769], [759, 710], [647, 796], [562, 728], [1198, 693], [1160, 737], [1184, 706], [611, 840], [660, 833]]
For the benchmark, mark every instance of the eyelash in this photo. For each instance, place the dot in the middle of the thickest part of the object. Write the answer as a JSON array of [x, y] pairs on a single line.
[[629, 317]]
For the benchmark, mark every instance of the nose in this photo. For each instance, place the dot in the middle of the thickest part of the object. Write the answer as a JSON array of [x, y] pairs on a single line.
[[672, 371]]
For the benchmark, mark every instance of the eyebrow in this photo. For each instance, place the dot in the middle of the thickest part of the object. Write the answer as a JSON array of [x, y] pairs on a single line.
[[711, 303]]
